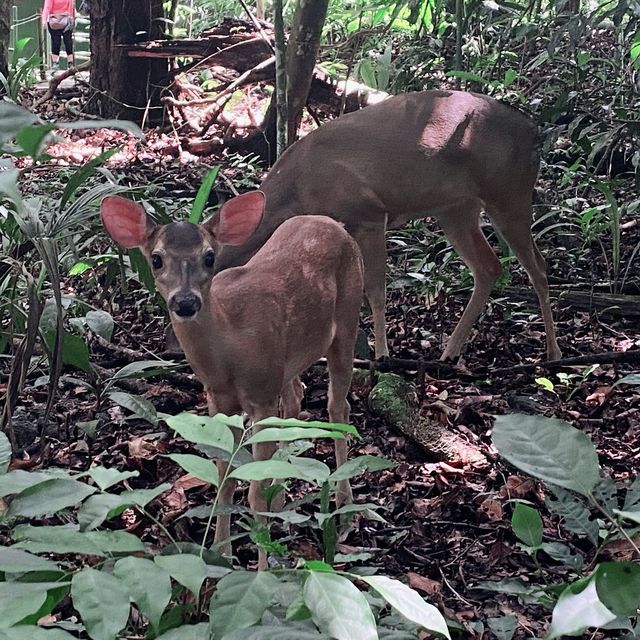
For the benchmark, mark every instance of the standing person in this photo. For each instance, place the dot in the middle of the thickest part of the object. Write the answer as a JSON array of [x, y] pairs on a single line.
[[59, 17]]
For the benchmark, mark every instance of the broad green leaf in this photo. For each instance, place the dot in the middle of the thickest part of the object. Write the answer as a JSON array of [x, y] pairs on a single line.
[[18, 561], [187, 632], [18, 480], [59, 539], [563, 553], [115, 542], [359, 465], [143, 369], [576, 516], [101, 323], [310, 424], [149, 585], [31, 138], [49, 497], [292, 433], [409, 603], [338, 608], [504, 627], [548, 449], [106, 478], [121, 125], [632, 497], [634, 516], [289, 631], [202, 197], [527, 525], [311, 470], [189, 570], [240, 600], [268, 469], [578, 608], [199, 467], [367, 509], [632, 378], [139, 406], [5, 453], [13, 118], [209, 430], [35, 633], [78, 178], [103, 602], [97, 509], [618, 587], [75, 352], [18, 600]]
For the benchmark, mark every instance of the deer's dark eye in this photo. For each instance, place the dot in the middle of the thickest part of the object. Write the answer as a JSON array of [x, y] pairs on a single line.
[[209, 259], [156, 261]]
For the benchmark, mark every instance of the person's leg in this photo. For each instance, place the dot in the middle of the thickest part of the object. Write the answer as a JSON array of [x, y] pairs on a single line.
[[68, 46], [56, 42]]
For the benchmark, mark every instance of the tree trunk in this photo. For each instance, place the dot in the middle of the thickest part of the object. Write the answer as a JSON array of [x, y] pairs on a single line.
[[302, 51], [5, 29], [127, 88]]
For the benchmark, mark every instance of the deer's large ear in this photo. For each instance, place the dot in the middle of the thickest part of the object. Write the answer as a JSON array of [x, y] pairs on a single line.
[[237, 219], [125, 221]]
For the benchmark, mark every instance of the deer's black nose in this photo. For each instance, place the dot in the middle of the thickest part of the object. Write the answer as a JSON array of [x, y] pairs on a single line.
[[185, 305]]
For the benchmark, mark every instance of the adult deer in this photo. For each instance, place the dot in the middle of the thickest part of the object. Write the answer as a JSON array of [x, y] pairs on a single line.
[[447, 154], [248, 332]]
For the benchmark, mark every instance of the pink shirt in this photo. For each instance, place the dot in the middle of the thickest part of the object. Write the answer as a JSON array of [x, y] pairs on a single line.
[[57, 6]]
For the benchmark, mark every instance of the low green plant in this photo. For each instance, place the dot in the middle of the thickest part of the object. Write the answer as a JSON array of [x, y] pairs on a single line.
[[101, 569], [608, 594], [21, 72]]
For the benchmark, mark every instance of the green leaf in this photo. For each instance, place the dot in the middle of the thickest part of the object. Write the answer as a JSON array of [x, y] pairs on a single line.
[[545, 383], [80, 176], [359, 465], [632, 497], [189, 570], [106, 478], [31, 139], [338, 608], [632, 378], [292, 433], [121, 125], [576, 516], [187, 632], [290, 631], [59, 539], [202, 197], [18, 480], [35, 633], [312, 470], [149, 585], [103, 602], [5, 453], [75, 352], [13, 119], [139, 406], [304, 424], [563, 553], [577, 609], [97, 509], [503, 628], [618, 587], [409, 603], [101, 323], [16, 561], [548, 449], [269, 469], [527, 525], [18, 600], [209, 430], [49, 497], [199, 467], [240, 600]]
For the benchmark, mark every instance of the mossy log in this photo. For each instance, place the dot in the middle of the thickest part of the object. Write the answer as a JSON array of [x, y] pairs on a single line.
[[396, 401]]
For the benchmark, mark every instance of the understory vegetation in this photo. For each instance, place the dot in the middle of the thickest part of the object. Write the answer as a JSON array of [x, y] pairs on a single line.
[[516, 511]]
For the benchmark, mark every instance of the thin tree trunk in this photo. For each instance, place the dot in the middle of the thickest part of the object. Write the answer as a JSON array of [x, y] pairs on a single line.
[[5, 30], [302, 51], [281, 79], [459, 23]]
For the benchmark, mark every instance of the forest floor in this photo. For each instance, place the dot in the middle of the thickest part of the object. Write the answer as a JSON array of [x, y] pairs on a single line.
[[447, 526]]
